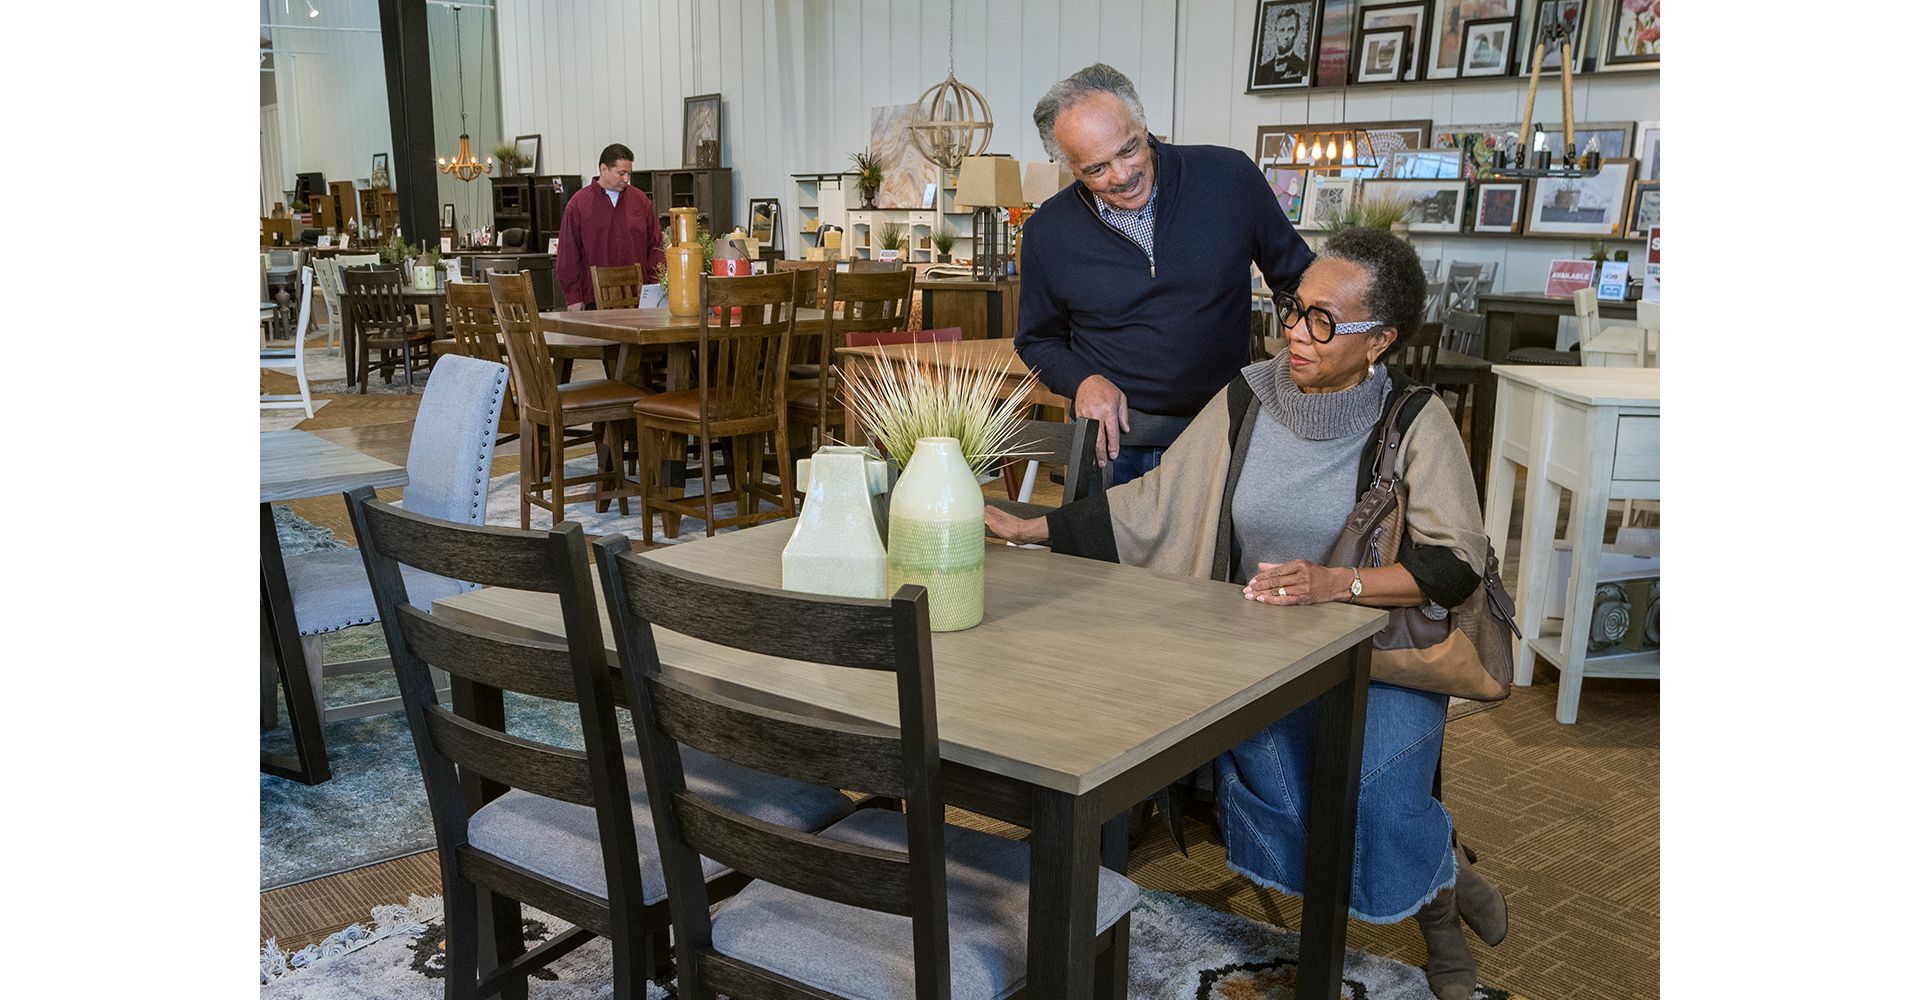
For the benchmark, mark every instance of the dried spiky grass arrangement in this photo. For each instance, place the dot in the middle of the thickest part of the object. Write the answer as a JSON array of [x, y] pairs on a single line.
[[934, 397]]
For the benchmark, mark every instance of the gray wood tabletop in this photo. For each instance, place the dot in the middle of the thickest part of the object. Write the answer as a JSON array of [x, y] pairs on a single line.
[[1081, 669], [295, 465]]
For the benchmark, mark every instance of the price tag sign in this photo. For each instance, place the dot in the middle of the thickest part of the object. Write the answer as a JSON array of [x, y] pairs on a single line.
[[553, 244]]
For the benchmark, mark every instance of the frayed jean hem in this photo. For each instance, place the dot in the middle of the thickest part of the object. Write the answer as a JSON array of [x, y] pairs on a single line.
[[1351, 912]]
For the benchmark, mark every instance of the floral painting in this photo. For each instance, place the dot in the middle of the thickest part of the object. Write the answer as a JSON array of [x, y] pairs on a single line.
[[1633, 39]]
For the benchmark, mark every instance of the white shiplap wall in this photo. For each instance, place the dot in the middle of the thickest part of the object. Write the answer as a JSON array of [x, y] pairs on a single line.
[[1217, 35], [799, 78], [331, 89]]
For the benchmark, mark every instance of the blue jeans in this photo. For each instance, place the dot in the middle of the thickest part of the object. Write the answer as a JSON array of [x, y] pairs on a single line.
[[1135, 462], [1403, 837]]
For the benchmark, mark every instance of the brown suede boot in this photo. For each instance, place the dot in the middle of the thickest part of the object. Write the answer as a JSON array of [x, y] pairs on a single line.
[[1481, 905], [1451, 972]]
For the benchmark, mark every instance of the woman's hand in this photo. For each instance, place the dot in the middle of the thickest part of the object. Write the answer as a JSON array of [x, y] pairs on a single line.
[[1018, 530], [1299, 582]]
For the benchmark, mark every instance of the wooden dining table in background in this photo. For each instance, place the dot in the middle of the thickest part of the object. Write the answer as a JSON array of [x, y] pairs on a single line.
[[656, 327], [435, 301], [1087, 687]]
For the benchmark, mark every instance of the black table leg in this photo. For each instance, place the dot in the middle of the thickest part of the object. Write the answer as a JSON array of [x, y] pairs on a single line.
[[281, 639], [1332, 804], [1063, 890], [1480, 447], [1113, 843]]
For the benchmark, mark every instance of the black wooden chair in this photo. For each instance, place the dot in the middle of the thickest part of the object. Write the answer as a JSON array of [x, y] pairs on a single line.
[[1069, 445], [519, 821], [838, 913]]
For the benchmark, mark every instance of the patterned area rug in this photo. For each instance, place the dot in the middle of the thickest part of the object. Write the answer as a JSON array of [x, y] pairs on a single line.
[[1181, 950]]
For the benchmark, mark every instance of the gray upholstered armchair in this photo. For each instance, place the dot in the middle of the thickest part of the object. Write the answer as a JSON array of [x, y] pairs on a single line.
[[448, 462]]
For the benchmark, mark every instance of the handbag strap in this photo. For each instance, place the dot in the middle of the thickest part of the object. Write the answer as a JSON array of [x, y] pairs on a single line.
[[1386, 455]]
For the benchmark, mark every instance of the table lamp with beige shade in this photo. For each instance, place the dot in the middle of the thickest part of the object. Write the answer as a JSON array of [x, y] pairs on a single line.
[[987, 185]]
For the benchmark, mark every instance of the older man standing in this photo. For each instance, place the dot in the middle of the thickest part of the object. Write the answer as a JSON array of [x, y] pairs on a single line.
[[1134, 295], [607, 224]]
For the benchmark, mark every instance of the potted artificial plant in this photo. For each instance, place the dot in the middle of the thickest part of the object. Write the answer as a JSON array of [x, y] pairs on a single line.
[[867, 176], [943, 243], [890, 239]]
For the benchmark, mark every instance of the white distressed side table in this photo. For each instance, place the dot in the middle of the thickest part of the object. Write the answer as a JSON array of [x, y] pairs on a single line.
[[1592, 432]]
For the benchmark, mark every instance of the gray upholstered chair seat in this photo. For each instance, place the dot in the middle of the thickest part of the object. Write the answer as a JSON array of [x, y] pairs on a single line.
[[851, 952], [562, 841], [330, 590]]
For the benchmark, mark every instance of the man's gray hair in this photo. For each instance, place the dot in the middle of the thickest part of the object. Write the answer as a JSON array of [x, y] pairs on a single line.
[[1098, 78]]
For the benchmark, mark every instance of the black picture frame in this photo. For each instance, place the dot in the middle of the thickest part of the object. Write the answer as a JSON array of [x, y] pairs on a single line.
[[1551, 64], [1506, 62], [446, 215], [1367, 36], [377, 175], [1420, 36], [521, 145], [700, 122], [772, 205], [1262, 78], [1609, 58], [1640, 191]]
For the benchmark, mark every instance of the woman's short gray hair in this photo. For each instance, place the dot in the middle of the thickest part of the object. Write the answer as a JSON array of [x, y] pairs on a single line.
[[1098, 78]]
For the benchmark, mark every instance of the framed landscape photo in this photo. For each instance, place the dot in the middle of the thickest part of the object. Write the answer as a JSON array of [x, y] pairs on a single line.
[[1643, 215], [1486, 46], [1633, 36], [1498, 206], [700, 131], [1424, 164], [1448, 36], [1414, 15], [1572, 13], [526, 149], [1284, 33], [1433, 206], [1383, 55], [1647, 151], [1327, 197], [1581, 206]]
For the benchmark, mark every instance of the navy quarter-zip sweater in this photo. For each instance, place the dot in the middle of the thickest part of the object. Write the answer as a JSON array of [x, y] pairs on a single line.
[[1170, 331]]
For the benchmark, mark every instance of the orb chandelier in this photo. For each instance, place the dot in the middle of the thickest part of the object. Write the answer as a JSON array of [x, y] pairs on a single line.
[[955, 120], [463, 165]]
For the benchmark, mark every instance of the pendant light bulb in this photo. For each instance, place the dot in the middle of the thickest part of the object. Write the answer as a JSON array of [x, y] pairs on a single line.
[[1315, 151], [1349, 148]]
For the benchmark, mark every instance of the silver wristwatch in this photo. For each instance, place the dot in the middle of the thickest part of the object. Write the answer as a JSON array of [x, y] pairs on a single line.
[[1355, 589]]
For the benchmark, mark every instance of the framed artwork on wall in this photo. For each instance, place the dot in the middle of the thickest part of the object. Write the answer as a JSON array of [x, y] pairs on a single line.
[[1581, 206], [700, 132], [1486, 46], [1572, 13], [763, 221], [1633, 36], [1273, 144], [1388, 138], [378, 177], [446, 216], [1284, 32], [1385, 55], [527, 149], [1476, 144], [1647, 151], [1414, 15], [1433, 206], [1615, 138], [1424, 164], [1335, 48], [1643, 215], [1497, 206], [1327, 196], [1289, 186], [1448, 33]]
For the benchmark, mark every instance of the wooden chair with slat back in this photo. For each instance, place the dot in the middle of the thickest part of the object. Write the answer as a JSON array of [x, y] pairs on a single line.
[[746, 334], [569, 831], [866, 302], [1464, 333], [1463, 287], [476, 334], [1586, 316], [547, 409], [873, 887], [619, 288], [1416, 355], [813, 291], [1069, 445], [863, 265], [384, 322]]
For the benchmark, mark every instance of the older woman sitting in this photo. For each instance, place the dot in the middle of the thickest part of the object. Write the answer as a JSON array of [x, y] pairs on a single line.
[[1256, 491]]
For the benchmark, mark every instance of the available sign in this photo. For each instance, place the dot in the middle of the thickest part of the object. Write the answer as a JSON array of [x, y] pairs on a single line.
[[1564, 277]]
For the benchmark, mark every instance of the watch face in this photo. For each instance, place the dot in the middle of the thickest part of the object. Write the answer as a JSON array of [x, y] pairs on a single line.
[[1356, 586]]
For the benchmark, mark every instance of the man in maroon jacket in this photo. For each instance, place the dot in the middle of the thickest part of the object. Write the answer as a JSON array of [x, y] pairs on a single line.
[[607, 224]]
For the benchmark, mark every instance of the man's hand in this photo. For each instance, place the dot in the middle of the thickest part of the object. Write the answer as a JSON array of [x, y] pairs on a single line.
[[574, 307], [1104, 402]]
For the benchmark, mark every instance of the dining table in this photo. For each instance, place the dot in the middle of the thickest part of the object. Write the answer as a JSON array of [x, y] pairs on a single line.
[[1087, 687], [295, 465], [1505, 310], [656, 326]]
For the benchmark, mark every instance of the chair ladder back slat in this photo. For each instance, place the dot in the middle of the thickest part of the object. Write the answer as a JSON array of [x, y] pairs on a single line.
[[470, 319], [529, 667], [617, 287], [518, 314], [868, 877], [796, 626], [555, 772], [839, 755], [485, 554]]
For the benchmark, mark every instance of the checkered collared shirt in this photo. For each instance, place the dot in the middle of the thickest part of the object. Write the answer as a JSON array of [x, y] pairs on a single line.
[[1138, 225]]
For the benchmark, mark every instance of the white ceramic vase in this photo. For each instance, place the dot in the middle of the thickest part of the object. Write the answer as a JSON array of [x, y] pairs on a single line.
[[835, 548], [423, 277], [936, 534]]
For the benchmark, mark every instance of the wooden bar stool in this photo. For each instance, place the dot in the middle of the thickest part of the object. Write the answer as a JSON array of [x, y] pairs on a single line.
[[746, 332], [547, 409]]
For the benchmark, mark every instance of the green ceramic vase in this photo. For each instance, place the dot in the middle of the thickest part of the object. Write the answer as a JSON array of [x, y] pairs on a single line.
[[937, 534]]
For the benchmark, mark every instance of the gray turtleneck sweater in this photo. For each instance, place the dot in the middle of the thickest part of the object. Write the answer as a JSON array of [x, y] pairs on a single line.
[[1296, 488]]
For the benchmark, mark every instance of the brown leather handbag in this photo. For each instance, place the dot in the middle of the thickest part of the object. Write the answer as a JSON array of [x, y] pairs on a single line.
[[1464, 652]]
